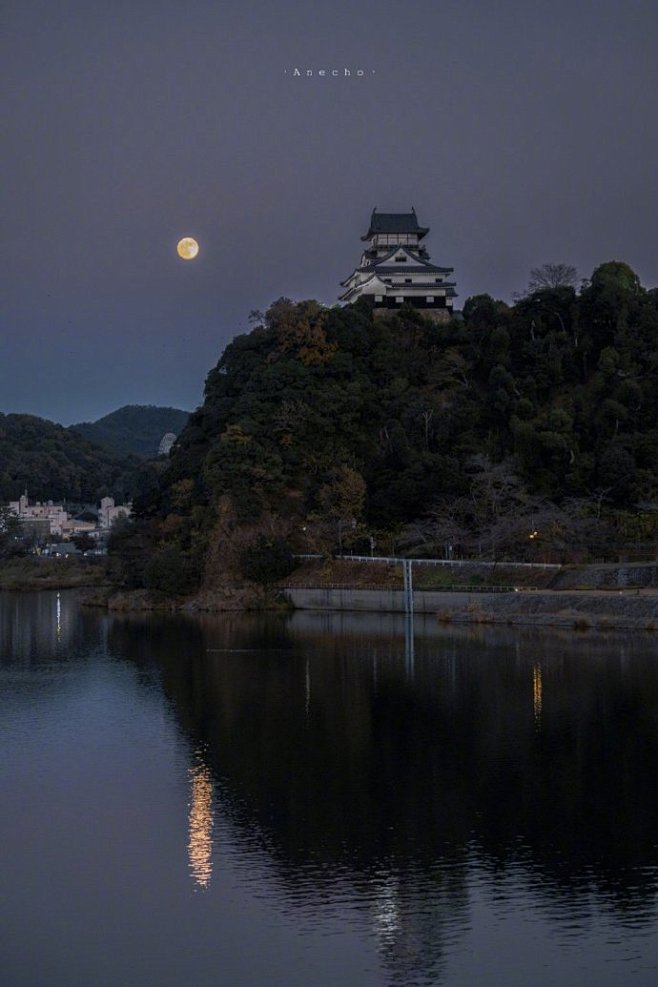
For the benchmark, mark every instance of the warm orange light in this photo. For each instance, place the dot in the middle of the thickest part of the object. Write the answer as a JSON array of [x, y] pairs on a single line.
[[200, 819], [537, 694]]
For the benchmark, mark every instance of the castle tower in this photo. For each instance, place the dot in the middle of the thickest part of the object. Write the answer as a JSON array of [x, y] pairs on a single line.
[[395, 269]]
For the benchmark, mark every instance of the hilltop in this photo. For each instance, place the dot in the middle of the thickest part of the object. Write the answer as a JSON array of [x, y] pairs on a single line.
[[134, 430], [519, 431], [54, 463]]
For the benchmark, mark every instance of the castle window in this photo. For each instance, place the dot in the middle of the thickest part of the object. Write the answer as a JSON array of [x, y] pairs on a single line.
[[407, 280], [400, 260]]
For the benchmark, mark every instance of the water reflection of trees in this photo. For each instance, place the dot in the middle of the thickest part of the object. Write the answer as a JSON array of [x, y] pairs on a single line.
[[501, 748]]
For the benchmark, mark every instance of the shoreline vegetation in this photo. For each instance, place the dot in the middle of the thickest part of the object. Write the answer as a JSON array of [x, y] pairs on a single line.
[[596, 597], [28, 573], [585, 597]]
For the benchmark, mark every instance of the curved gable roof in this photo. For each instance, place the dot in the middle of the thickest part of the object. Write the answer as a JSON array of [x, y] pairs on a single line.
[[395, 222], [419, 263]]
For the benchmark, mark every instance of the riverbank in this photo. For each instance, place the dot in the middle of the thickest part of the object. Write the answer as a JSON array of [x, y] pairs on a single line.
[[601, 596], [589, 596], [33, 573]]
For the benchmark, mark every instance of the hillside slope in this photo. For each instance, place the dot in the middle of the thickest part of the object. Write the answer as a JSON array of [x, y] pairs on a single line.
[[515, 431], [135, 429], [53, 463]]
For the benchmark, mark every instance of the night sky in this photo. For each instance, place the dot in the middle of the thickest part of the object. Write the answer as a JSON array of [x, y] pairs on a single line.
[[522, 133]]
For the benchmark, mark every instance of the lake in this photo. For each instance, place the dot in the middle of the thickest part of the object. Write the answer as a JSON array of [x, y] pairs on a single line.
[[323, 799]]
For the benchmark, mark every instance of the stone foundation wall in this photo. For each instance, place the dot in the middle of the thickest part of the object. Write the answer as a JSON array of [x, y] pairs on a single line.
[[438, 315], [631, 575], [598, 610]]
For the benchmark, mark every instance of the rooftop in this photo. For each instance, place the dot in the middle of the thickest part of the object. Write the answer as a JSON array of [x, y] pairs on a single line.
[[394, 222]]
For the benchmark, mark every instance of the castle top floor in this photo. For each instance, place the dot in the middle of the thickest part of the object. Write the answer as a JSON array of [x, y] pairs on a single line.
[[393, 229]]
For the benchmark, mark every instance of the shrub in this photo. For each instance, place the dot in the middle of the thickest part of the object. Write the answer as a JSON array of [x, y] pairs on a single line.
[[172, 571], [267, 561]]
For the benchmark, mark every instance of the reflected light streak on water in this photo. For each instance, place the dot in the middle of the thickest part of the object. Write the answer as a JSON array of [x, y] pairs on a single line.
[[386, 911], [200, 819], [537, 693]]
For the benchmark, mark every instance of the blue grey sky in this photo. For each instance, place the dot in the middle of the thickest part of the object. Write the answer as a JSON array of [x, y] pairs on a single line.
[[522, 133]]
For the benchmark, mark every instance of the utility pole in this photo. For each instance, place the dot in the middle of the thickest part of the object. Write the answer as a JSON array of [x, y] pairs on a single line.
[[408, 615], [408, 586]]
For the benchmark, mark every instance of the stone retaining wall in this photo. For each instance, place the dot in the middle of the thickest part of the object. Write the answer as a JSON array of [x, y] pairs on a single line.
[[589, 609], [620, 575]]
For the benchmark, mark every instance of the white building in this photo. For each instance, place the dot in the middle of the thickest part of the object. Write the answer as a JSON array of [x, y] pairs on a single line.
[[54, 514], [49, 518], [395, 269], [109, 512]]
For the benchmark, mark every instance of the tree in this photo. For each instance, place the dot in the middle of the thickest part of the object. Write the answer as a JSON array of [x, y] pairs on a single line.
[[480, 309], [11, 535], [267, 561], [172, 571], [552, 276], [300, 329], [447, 526], [615, 275], [343, 495], [83, 542]]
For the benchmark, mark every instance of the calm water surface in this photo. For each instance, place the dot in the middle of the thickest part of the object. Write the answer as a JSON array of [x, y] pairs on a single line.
[[313, 801]]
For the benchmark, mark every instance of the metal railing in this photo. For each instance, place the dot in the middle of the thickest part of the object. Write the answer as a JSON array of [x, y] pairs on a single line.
[[448, 588], [397, 560]]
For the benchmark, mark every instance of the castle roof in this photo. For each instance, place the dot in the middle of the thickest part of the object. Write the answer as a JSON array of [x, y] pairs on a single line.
[[419, 263], [395, 222]]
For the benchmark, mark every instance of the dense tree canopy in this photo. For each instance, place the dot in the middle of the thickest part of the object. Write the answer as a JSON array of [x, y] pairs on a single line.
[[322, 415], [54, 463]]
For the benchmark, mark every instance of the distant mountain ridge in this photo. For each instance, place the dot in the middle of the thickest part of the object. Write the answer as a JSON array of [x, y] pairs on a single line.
[[135, 429], [53, 462]]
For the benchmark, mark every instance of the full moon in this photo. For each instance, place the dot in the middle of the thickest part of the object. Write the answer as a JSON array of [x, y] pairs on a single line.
[[187, 248]]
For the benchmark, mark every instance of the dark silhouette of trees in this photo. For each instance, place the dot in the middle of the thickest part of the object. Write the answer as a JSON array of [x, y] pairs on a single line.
[[552, 276], [55, 463], [474, 433]]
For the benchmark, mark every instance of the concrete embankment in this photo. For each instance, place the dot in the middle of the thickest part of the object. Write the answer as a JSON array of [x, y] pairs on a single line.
[[632, 609], [619, 575]]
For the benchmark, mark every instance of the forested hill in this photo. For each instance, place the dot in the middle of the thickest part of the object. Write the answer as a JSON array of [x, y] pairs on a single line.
[[53, 463], [135, 429], [329, 421]]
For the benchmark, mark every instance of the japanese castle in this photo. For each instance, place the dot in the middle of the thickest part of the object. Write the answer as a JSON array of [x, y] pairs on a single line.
[[395, 269]]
